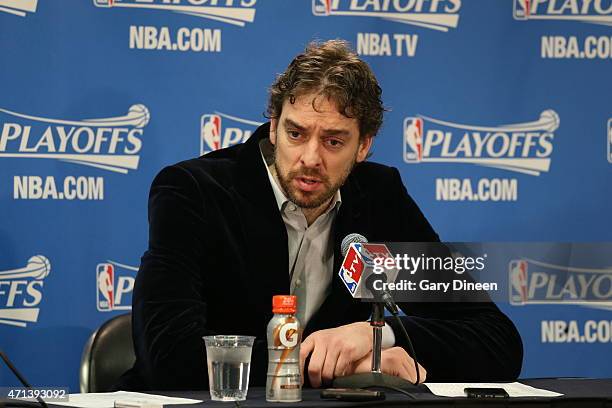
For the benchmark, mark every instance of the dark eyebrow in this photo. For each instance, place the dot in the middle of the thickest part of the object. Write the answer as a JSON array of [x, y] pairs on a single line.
[[336, 132], [292, 124], [328, 132]]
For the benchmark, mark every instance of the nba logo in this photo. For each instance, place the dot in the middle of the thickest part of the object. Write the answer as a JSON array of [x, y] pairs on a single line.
[[413, 140], [210, 133], [106, 284], [324, 7], [522, 9], [610, 140], [518, 281], [351, 269]]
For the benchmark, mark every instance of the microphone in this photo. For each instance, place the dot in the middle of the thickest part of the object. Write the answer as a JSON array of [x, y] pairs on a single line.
[[382, 296], [353, 238], [358, 260]]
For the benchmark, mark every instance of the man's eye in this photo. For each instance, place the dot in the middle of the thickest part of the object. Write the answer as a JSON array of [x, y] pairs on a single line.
[[293, 134], [335, 142]]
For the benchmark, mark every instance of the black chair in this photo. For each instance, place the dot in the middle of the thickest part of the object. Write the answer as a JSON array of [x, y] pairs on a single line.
[[109, 352]]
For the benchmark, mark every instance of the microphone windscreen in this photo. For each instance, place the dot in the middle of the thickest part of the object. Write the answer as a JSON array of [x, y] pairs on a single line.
[[353, 238]]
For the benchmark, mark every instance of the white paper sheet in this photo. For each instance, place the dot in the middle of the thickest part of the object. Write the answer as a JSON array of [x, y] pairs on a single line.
[[514, 389], [107, 399]]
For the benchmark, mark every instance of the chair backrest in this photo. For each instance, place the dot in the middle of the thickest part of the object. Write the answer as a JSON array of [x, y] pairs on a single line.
[[109, 352]]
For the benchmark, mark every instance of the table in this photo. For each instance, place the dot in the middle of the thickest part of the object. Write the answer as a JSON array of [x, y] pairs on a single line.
[[578, 392]]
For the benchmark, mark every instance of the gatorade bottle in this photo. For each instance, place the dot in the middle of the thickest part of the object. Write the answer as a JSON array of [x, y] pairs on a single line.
[[284, 337]]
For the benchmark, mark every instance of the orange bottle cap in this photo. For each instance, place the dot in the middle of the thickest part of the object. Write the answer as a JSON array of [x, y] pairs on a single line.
[[285, 304]]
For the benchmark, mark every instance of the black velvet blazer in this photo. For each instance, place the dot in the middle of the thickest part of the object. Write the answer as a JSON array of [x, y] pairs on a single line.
[[218, 253]]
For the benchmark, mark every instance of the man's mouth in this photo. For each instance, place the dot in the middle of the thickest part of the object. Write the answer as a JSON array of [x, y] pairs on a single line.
[[308, 183]]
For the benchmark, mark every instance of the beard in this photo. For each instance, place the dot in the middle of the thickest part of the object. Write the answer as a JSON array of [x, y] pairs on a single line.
[[310, 200]]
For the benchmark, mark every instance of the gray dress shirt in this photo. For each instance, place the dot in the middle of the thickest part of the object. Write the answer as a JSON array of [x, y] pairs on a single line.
[[311, 252]]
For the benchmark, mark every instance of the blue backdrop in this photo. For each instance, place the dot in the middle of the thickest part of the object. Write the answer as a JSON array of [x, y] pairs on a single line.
[[500, 123]]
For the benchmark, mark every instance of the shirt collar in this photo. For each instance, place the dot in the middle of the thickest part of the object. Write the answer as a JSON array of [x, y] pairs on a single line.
[[267, 155]]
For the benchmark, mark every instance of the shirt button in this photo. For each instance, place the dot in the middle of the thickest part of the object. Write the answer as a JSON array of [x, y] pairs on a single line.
[[291, 207], [298, 282]]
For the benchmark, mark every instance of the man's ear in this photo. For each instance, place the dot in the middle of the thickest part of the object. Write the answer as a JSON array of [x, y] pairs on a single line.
[[273, 125], [364, 147]]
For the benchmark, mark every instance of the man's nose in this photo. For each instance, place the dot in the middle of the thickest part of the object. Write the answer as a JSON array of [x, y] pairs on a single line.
[[311, 156]]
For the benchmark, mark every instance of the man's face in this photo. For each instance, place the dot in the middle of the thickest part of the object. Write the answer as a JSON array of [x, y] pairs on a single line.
[[315, 150]]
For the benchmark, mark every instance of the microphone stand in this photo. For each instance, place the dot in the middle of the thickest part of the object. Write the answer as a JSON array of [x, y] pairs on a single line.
[[26, 384], [375, 378]]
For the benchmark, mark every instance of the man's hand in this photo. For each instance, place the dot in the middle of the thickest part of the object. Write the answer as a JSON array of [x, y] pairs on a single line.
[[394, 361], [335, 351]]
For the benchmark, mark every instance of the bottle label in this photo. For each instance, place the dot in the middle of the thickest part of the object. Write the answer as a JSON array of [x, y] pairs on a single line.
[[288, 334]]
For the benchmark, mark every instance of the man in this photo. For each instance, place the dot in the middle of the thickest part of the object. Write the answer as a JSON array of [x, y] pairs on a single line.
[[234, 227]]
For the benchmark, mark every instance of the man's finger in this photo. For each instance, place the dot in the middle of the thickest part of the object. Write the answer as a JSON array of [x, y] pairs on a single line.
[[329, 366], [408, 368], [396, 362], [317, 359], [405, 372], [307, 346], [305, 349], [422, 373], [342, 366]]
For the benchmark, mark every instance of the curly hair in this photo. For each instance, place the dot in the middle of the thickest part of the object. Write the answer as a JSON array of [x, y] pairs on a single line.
[[333, 70]]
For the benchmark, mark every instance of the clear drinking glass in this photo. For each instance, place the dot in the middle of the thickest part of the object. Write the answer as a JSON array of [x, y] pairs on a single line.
[[229, 363]]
